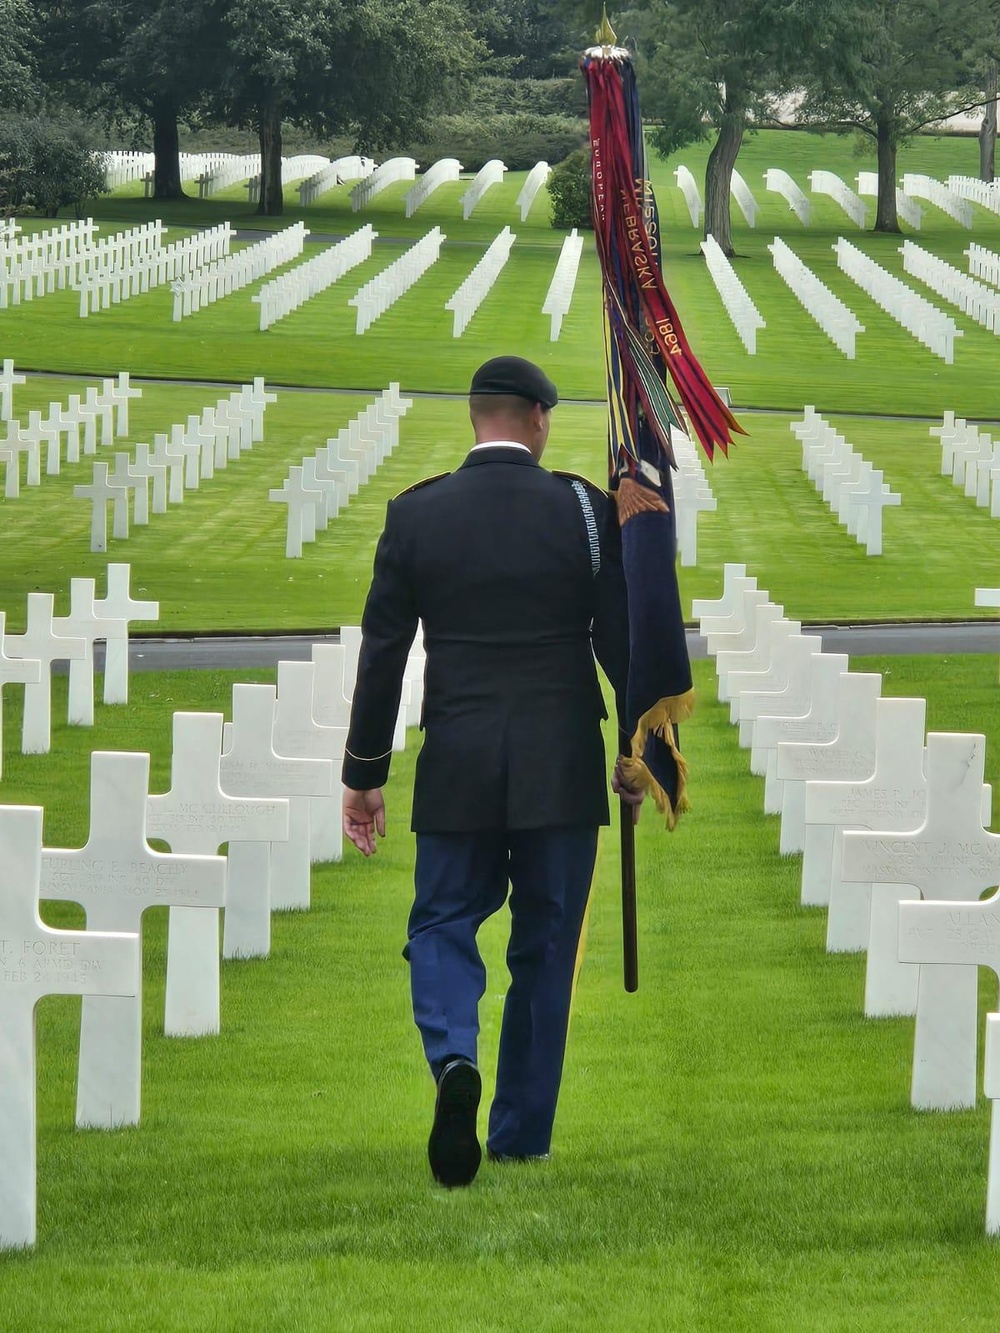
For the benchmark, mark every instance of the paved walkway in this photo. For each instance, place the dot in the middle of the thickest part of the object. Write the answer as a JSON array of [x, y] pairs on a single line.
[[235, 652]]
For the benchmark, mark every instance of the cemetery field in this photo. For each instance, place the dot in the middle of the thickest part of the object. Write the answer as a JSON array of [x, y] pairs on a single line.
[[217, 563], [735, 1148]]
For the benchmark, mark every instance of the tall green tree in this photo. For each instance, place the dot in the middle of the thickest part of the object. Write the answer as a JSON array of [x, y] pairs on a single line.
[[372, 69], [145, 59], [18, 83], [718, 65], [893, 68]]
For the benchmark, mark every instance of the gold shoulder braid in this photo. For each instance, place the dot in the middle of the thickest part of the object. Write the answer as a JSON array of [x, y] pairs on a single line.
[[418, 485]]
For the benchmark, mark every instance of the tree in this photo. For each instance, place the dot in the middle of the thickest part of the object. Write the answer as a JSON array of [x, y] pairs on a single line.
[[48, 162], [893, 68], [126, 57], [17, 55], [371, 69], [720, 64]]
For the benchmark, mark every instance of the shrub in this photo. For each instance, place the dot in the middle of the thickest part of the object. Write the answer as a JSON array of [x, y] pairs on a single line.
[[569, 190], [519, 140], [47, 162]]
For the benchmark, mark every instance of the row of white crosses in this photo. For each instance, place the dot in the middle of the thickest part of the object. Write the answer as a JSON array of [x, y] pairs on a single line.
[[746, 318], [688, 186], [692, 495], [983, 263], [48, 252], [529, 191], [265, 784], [303, 165], [288, 291], [975, 299], [316, 490], [389, 173], [177, 461], [948, 200], [440, 173], [351, 168], [112, 282], [472, 292], [559, 297], [779, 181], [489, 174], [929, 325], [39, 272], [122, 166], [106, 408], [216, 281], [385, 289], [908, 209], [221, 174], [980, 192], [891, 828], [838, 322], [854, 490], [828, 183], [972, 460], [27, 658]]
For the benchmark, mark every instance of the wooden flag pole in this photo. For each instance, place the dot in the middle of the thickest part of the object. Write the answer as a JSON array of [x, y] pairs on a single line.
[[630, 939]]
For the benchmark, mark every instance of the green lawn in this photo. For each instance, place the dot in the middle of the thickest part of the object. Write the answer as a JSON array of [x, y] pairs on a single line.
[[735, 1147]]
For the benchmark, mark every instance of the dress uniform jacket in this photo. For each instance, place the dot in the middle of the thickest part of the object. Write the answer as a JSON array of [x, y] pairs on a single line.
[[498, 561]]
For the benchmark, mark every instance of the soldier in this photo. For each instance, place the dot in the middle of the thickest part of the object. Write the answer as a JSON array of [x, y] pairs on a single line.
[[516, 575]]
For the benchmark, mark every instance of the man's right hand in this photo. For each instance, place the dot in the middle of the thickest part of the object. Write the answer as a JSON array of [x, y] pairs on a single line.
[[628, 794], [364, 815]]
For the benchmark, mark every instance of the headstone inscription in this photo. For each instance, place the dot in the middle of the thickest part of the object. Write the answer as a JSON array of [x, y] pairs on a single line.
[[115, 876], [119, 606], [36, 960], [251, 767], [950, 857], [196, 816], [41, 643]]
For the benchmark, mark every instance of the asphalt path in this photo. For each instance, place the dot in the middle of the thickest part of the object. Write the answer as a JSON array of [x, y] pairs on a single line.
[[255, 651]]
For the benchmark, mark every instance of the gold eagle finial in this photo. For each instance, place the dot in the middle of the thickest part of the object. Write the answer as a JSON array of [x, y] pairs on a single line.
[[605, 34]]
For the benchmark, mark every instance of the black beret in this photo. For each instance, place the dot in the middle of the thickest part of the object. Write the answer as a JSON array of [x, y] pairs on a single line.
[[514, 375]]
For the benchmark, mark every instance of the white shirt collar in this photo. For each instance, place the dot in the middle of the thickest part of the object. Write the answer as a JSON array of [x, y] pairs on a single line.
[[501, 444]]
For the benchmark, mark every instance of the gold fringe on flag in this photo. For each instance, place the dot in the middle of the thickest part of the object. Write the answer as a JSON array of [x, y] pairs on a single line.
[[661, 720]]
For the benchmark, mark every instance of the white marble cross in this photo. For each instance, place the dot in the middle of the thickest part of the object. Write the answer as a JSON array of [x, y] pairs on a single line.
[[99, 492], [48, 433], [20, 441], [302, 503], [252, 767], [119, 605], [950, 857], [197, 816], [120, 392], [9, 381], [83, 622], [14, 671], [815, 722], [41, 643], [115, 877], [297, 733], [125, 476], [783, 692], [36, 960], [145, 466]]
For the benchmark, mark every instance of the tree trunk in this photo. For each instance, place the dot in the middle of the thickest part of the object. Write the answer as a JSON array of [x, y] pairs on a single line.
[[988, 132], [167, 154], [271, 203], [886, 218], [719, 171]]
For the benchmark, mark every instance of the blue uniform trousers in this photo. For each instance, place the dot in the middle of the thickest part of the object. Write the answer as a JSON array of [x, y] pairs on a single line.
[[461, 879]]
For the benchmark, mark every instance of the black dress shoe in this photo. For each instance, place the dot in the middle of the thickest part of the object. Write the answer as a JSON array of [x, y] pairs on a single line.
[[453, 1148]]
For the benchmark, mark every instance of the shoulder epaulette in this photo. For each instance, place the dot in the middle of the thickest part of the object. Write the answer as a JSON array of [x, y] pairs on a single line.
[[418, 485], [584, 481]]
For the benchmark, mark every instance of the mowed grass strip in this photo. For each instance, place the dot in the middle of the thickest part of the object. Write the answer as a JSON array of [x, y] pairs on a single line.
[[217, 563], [735, 1147]]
